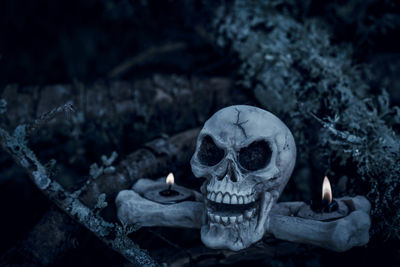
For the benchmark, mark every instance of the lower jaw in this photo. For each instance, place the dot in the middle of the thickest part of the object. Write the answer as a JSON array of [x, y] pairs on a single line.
[[228, 218], [233, 236]]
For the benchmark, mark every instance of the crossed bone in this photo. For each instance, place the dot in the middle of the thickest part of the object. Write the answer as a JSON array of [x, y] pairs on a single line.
[[285, 221]]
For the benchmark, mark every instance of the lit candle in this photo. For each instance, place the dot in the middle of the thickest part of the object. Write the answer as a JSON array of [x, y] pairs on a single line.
[[325, 209], [327, 204], [166, 192], [169, 181], [326, 190]]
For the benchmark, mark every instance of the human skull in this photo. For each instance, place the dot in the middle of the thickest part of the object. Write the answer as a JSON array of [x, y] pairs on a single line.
[[246, 155]]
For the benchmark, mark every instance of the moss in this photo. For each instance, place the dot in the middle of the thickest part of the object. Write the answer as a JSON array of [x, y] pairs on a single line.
[[101, 202], [294, 70]]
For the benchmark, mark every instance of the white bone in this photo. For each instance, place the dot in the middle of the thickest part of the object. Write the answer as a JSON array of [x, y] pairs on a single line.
[[136, 210], [227, 133], [338, 235]]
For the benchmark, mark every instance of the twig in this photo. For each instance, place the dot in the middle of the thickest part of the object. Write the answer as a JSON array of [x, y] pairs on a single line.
[[16, 146], [67, 109], [345, 136]]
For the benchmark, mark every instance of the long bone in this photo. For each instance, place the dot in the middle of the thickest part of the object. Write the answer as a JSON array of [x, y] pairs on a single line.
[[135, 209], [339, 235]]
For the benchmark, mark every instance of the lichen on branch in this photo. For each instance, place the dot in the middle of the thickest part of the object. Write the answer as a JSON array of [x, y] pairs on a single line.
[[110, 233]]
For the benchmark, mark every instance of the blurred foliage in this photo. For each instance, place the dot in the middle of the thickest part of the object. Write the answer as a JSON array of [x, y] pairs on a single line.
[[367, 24], [296, 71], [306, 61], [46, 42]]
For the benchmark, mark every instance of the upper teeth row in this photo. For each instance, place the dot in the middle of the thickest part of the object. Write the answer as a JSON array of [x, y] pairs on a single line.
[[228, 199]]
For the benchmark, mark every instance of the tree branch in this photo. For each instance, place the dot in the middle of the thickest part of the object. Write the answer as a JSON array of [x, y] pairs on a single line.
[[112, 234]]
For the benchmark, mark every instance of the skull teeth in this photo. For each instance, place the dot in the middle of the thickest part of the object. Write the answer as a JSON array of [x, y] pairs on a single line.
[[226, 219], [226, 198], [217, 213], [234, 199], [212, 197], [218, 198], [248, 214]]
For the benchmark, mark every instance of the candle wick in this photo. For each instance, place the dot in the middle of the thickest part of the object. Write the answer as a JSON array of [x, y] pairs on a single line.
[[169, 187]]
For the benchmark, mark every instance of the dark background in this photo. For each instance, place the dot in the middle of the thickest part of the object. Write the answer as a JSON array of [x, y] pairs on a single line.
[[64, 42]]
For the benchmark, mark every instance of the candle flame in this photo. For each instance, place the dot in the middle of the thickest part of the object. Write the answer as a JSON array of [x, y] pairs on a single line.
[[326, 190], [170, 178]]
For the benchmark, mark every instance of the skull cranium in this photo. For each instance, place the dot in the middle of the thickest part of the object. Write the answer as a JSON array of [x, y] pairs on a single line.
[[246, 155]]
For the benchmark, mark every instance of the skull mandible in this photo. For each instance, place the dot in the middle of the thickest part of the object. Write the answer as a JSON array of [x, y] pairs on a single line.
[[246, 155]]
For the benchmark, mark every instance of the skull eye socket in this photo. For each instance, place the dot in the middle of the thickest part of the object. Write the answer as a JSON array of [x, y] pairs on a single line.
[[209, 153], [255, 156]]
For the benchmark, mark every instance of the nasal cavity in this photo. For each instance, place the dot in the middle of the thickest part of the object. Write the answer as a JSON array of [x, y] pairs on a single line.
[[232, 175], [219, 178]]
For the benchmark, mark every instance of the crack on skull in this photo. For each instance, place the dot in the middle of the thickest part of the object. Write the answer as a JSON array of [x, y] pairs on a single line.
[[239, 124]]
